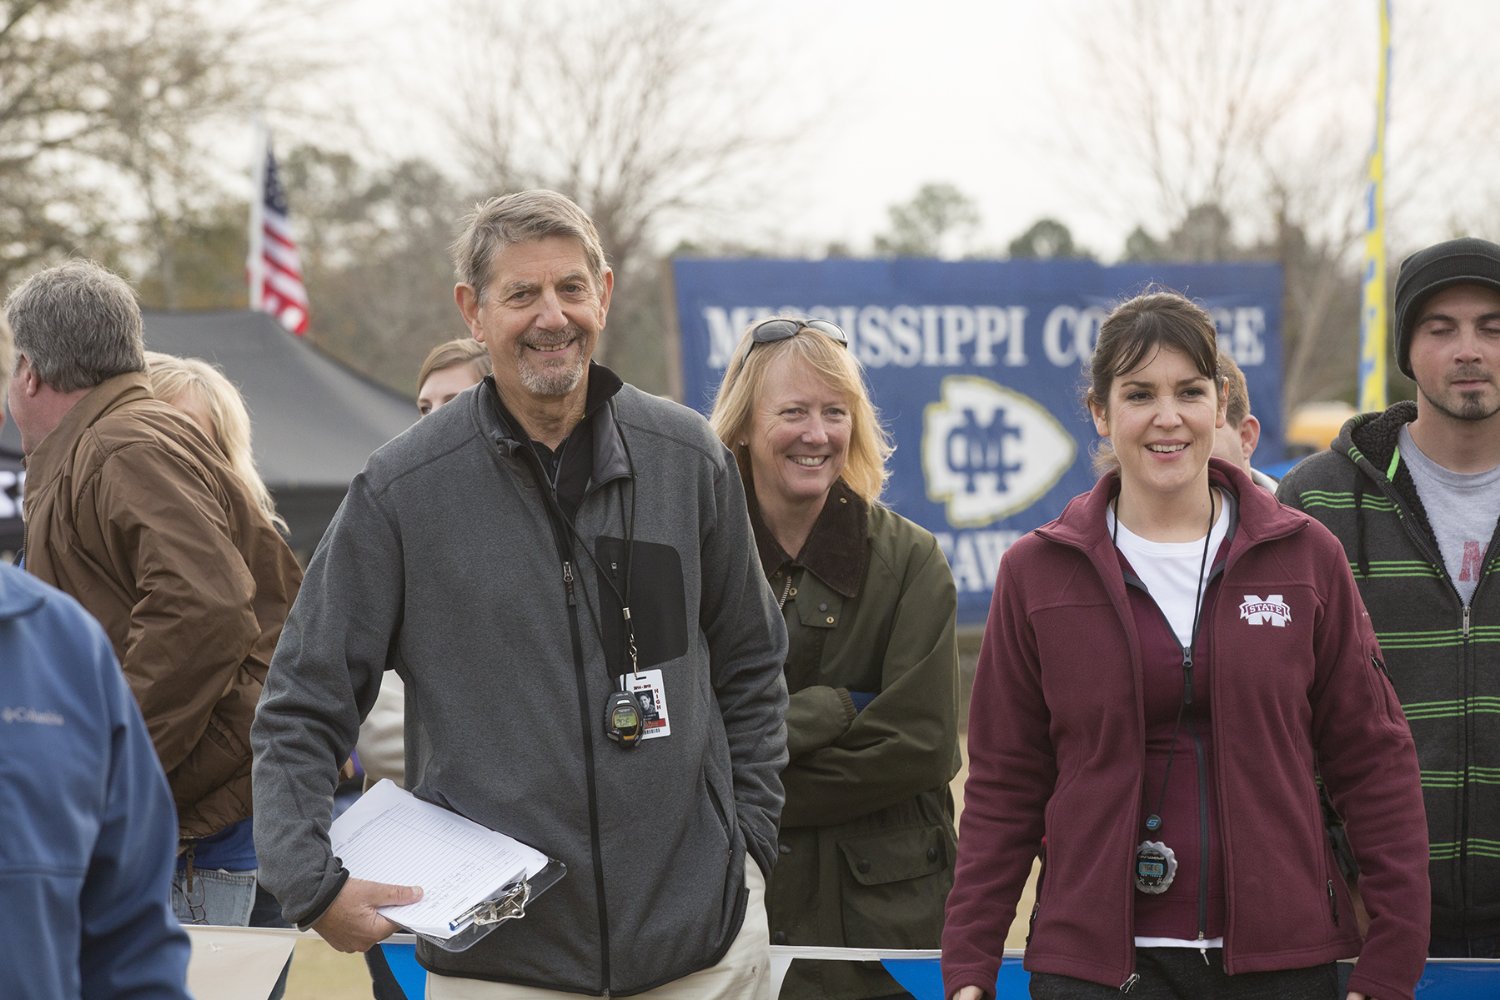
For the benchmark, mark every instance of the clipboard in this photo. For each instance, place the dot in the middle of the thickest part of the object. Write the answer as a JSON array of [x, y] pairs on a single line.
[[391, 836], [507, 904]]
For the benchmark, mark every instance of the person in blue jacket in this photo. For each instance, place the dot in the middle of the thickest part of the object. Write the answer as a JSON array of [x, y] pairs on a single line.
[[90, 829]]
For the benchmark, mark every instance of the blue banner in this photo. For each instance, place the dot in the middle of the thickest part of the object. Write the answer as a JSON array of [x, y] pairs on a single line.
[[977, 369]]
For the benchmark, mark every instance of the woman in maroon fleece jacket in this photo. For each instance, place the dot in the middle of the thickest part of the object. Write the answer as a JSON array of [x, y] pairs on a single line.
[[1165, 668]]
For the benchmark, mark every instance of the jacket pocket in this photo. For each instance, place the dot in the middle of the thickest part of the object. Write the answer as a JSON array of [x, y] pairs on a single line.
[[1383, 690], [657, 603], [712, 795], [826, 613], [894, 886], [217, 759]]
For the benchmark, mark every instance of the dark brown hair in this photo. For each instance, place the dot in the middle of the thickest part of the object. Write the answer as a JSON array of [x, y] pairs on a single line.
[[1137, 328]]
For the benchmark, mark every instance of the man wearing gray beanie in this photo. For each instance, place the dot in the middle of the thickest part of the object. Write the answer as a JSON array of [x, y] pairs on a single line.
[[1414, 494]]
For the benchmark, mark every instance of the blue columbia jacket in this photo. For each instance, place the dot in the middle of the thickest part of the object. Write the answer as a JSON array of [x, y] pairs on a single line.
[[90, 831]]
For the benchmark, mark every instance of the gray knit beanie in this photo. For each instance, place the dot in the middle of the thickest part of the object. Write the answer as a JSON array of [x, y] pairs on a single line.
[[1466, 261]]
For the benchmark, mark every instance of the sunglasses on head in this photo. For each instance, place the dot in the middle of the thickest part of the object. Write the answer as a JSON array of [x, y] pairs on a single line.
[[773, 330]]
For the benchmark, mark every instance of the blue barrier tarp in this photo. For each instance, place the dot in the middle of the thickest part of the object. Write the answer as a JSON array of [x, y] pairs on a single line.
[[402, 958], [1447, 979]]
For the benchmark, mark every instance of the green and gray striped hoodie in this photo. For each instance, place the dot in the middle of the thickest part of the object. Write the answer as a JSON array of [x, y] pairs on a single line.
[[1443, 657]]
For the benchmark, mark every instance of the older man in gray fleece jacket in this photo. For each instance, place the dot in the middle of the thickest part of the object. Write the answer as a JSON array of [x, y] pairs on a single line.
[[487, 555]]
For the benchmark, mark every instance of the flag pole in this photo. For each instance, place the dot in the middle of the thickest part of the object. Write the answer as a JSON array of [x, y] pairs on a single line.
[[1372, 317], [255, 261]]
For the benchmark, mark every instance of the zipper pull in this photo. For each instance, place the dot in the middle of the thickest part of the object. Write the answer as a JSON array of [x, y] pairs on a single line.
[[1333, 902], [1466, 623], [1203, 947], [568, 582], [1129, 984], [1187, 675]]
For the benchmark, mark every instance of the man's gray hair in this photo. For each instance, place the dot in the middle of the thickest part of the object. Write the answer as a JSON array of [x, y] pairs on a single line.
[[7, 359], [521, 218], [78, 324]]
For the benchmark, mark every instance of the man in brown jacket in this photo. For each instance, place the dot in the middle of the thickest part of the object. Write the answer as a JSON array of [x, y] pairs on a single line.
[[131, 510]]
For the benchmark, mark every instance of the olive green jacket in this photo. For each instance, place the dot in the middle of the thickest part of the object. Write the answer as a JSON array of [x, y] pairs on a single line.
[[867, 846]]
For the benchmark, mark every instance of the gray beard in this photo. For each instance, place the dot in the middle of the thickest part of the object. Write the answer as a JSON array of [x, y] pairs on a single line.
[[551, 381]]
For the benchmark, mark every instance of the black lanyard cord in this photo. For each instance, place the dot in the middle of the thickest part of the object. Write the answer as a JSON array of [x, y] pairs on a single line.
[[629, 525], [1153, 820]]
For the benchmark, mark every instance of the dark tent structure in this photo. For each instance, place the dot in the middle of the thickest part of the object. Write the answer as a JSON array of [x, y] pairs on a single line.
[[315, 420]]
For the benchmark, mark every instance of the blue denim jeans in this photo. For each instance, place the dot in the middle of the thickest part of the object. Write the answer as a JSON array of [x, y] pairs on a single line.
[[215, 896], [227, 899]]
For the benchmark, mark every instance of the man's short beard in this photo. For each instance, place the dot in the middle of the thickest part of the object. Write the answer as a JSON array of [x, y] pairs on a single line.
[[551, 381], [1470, 407], [546, 379]]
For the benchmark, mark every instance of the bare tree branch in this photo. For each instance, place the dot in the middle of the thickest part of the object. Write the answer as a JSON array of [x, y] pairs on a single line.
[[629, 108]]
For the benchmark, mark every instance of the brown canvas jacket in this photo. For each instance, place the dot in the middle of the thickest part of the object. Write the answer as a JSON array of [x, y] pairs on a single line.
[[134, 513]]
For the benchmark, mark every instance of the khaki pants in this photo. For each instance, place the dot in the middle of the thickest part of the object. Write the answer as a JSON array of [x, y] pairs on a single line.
[[743, 973]]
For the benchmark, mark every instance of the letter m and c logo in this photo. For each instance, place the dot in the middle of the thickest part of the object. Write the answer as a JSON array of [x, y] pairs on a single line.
[[989, 452], [1270, 610]]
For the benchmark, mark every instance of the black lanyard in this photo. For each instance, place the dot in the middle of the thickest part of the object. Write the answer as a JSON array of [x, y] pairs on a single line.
[[1153, 822], [624, 599]]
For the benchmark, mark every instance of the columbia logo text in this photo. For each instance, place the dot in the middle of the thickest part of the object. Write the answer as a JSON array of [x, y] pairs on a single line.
[[34, 716], [1270, 610]]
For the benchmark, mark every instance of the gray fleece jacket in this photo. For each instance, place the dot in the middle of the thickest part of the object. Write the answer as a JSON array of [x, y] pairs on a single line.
[[447, 564]]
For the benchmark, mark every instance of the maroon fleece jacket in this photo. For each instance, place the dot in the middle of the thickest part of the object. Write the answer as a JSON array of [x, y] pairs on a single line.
[[1057, 749]]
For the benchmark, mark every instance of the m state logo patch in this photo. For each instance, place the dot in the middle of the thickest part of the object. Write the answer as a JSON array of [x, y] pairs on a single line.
[[1266, 610]]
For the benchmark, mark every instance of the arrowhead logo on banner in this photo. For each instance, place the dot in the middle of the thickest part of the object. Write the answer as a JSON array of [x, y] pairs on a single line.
[[989, 452]]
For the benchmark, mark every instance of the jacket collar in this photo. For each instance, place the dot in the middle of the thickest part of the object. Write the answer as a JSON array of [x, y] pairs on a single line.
[[835, 551], [609, 459], [1374, 435], [1370, 441], [50, 456], [1258, 515]]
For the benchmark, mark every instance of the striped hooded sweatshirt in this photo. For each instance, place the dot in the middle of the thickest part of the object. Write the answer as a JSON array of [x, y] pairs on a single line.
[[1443, 657]]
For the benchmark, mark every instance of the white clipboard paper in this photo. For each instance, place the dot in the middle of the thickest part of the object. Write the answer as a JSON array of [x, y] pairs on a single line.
[[472, 878]]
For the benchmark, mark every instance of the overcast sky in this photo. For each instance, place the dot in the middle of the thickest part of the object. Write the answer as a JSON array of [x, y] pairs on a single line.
[[1004, 99]]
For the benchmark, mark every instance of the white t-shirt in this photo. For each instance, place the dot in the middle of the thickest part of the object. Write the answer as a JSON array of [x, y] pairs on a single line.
[[1462, 508], [1174, 572]]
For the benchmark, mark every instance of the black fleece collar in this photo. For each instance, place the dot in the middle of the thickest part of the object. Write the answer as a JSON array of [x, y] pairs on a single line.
[[590, 455], [1373, 437], [1376, 434], [835, 552], [602, 386]]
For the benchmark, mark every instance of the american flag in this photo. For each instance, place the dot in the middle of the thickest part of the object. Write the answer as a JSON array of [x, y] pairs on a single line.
[[274, 268]]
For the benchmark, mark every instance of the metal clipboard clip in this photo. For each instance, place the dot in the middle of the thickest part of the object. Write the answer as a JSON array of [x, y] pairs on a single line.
[[509, 902]]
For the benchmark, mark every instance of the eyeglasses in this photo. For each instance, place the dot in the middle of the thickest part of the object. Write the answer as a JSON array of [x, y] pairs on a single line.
[[774, 330]]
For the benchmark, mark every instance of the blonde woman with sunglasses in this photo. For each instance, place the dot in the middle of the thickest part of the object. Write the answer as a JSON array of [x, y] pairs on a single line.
[[867, 846]]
